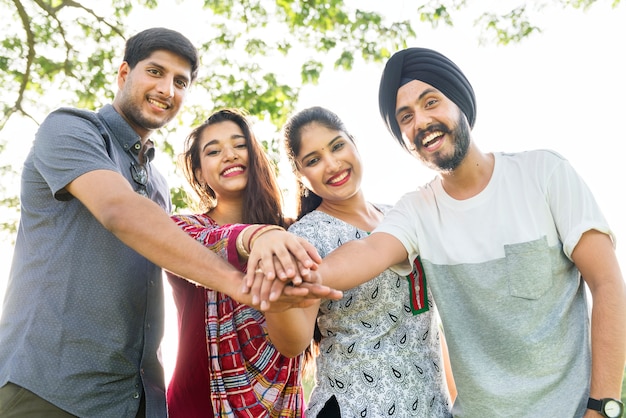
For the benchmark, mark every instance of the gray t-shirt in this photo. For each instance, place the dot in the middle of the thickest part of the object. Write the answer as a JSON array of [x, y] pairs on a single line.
[[82, 318], [511, 300]]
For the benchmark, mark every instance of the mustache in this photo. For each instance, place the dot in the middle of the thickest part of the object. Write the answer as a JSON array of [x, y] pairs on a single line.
[[422, 133]]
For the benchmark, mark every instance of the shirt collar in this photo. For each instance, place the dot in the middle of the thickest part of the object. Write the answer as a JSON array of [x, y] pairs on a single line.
[[125, 135]]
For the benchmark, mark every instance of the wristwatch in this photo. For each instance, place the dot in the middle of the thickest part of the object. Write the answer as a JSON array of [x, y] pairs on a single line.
[[608, 407]]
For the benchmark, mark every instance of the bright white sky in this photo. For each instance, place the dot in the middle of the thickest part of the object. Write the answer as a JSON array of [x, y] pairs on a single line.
[[563, 89]]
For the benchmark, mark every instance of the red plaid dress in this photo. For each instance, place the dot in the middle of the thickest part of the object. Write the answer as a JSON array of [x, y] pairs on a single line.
[[226, 366]]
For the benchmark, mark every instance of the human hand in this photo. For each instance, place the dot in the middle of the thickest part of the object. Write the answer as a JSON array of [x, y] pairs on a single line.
[[283, 255], [292, 297], [268, 295]]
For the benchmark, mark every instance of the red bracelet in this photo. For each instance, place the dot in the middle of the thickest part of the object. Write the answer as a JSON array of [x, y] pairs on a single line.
[[252, 236], [261, 231]]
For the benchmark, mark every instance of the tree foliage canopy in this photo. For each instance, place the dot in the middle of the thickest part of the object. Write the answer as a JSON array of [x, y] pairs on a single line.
[[66, 52], [73, 47]]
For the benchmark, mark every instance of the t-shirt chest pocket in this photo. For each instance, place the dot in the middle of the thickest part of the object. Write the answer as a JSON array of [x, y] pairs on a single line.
[[529, 269]]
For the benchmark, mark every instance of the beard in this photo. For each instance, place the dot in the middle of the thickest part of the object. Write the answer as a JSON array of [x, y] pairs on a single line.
[[136, 116], [460, 138], [131, 108]]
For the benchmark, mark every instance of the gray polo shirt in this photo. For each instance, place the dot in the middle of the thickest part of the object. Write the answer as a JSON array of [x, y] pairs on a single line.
[[82, 318]]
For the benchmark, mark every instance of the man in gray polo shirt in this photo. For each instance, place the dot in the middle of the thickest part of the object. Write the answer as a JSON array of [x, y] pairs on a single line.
[[82, 318]]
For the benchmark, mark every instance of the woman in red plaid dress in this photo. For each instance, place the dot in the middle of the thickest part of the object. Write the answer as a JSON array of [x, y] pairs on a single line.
[[226, 364]]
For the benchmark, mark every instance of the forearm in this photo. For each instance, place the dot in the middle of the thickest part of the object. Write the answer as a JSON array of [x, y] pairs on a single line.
[[358, 261], [150, 231], [291, 331], [146, 228], [595, 258], [608, 340]]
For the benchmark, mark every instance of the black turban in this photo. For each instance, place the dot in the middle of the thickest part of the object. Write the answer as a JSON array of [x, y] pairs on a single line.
[[427, 66]]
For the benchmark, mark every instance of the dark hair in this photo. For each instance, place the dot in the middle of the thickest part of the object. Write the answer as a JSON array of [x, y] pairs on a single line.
[[292, 132], [262, 202], [141, 45]]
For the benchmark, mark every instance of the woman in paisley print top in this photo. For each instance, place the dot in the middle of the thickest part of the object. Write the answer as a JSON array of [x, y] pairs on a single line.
[[379, 348]]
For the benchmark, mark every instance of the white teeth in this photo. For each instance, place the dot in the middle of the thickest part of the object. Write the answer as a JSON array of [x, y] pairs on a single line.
[[340, 178], [232, 170], [431, 137], [158, 104]]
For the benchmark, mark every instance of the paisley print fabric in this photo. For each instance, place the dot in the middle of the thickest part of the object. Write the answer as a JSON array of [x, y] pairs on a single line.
[[376, 357]]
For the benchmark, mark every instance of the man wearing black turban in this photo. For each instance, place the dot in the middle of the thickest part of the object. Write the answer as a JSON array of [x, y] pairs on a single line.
[[490, 231], [504, 239], [432, 68]]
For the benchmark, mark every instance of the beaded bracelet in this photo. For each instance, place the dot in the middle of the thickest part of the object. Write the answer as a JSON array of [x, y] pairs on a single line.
[[260, 231]]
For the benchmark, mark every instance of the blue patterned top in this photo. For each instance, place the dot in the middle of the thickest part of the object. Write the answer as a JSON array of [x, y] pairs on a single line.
[[376, 357]]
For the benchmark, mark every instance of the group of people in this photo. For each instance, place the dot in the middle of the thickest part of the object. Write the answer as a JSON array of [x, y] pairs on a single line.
[[466, 298]]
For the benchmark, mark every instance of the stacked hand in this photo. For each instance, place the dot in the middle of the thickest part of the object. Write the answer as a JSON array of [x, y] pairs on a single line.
[[282, 271]]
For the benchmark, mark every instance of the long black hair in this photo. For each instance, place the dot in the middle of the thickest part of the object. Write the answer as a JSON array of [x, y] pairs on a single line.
[[307, 200]]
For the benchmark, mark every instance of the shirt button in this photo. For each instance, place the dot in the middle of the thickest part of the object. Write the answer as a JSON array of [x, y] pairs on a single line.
[[136, 395]]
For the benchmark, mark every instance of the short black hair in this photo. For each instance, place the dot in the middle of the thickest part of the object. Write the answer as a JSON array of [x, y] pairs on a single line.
[[141, 45]]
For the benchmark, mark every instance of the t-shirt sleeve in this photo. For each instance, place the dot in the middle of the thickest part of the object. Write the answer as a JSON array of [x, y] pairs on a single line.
[[574, 208], [67, 145]]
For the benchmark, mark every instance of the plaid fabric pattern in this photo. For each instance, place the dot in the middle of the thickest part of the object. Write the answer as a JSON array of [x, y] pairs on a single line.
[[249, 377]]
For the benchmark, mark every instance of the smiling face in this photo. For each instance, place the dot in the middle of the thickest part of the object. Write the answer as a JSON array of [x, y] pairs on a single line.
[[432, 126], [151, 94], [328, 163], [223, 159]]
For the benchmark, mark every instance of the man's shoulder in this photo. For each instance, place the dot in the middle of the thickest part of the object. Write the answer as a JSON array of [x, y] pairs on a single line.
[[64, 118], [73, 112], [540, 162], [533, 155]]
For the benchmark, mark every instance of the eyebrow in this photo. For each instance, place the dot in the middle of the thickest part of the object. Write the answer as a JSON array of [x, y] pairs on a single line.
[[216, 141], [164, 69], [421, 96], [335, 139]]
